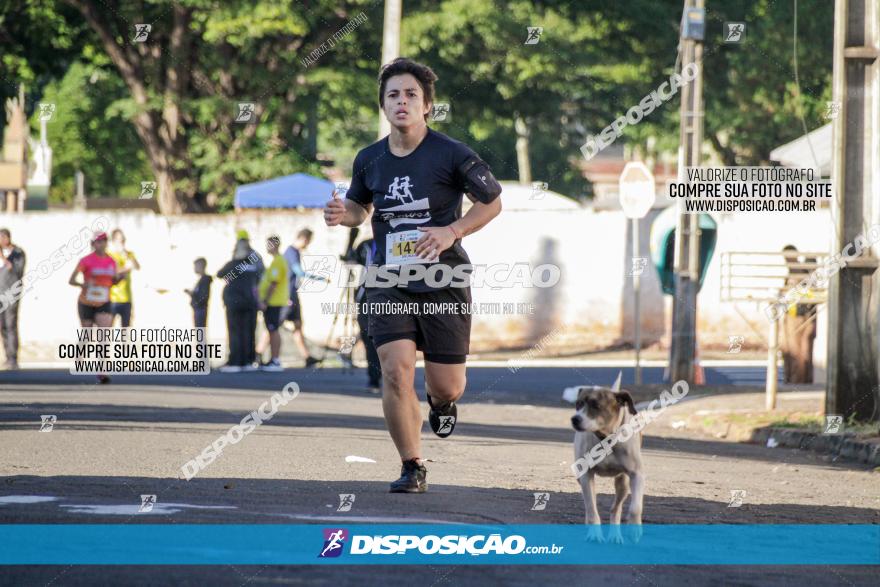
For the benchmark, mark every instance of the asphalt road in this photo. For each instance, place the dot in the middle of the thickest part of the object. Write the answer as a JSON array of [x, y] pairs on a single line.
[[111, 444], [534, 385]]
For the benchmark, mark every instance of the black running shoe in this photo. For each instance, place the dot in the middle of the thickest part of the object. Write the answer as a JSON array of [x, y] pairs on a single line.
[[413, 478], [103, 379], [442, 418], [311, 361]]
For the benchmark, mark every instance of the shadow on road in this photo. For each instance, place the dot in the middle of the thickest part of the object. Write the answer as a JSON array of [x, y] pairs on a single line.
[[533, 385], [291, 501], [97, 417]]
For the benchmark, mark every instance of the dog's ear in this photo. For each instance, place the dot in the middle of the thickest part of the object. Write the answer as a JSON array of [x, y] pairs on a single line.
[[624, 398]]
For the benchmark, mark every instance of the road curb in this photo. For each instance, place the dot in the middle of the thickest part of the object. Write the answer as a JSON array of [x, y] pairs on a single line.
[[845, 446]]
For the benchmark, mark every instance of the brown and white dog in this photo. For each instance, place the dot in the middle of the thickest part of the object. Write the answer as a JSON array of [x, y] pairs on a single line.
[[608, 442]]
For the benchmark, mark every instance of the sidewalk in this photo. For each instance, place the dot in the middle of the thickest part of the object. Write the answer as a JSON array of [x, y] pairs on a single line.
[[798, 422]]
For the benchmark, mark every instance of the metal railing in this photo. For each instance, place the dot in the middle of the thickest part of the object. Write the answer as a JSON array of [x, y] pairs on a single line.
[[764, 278]]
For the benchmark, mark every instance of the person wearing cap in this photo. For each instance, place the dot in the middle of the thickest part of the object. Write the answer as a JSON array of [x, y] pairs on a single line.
[[240, 298], [254, 258], [12, 260], [99, 273]]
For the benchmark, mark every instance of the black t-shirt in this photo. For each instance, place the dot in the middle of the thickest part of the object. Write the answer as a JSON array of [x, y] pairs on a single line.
[[201, 293], [421, 189]]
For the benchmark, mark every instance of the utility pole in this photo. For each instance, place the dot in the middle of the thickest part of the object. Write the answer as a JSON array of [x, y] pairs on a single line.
[[687, 233], [854, 292], [390, 49]]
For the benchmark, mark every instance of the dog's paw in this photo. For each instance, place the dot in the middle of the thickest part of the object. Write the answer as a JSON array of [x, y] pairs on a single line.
[[614, 534], [634, 533], [594, 533]]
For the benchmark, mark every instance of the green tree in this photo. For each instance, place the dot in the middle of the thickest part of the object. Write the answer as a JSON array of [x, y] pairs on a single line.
[[596, 60], [591, 61], [187, 76], [88, 132], [753, 104], [38, 41]]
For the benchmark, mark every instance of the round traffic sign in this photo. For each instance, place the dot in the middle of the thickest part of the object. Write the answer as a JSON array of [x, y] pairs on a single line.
[[637, 190]]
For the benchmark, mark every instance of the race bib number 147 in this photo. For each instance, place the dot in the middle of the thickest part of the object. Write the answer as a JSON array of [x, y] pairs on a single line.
[[400, 248]]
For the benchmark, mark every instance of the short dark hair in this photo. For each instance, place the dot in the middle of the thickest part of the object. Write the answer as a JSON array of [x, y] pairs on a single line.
[[305, 233], [274, 239], [6, 232], [423, 74], [200, 261]]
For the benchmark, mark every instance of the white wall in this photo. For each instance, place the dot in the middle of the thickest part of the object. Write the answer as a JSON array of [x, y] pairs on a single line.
[[583, 311]]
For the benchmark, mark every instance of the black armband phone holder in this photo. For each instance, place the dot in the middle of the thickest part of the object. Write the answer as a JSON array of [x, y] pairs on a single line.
[[479, 180]]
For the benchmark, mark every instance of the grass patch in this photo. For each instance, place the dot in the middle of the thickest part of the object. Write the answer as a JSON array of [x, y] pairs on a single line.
[[808, 421]]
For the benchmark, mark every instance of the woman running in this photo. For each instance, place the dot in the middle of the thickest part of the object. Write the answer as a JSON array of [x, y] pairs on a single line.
[[415, 179], [99, 275]]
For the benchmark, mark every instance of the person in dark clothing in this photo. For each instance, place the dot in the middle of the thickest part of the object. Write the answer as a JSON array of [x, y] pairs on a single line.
[[240, 298], [198, 296], [364, 254], [12, 261], [799, 325], [252, 364], [412, 184]]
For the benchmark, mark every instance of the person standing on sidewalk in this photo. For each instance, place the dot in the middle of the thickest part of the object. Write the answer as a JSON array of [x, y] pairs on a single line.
[[120, 294], [799, 324], [12, 261], [415, 179], [200, 294], [257, 260], [274, 297], [241, 274]]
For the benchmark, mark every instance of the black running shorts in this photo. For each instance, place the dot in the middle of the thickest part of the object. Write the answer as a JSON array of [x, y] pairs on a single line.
[[439, 322], [292, 311], [272, 317], [87, 312]]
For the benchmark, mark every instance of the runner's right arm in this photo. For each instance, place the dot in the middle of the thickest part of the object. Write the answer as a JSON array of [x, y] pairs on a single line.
[[72, 281], [358, 203], [346, 212]]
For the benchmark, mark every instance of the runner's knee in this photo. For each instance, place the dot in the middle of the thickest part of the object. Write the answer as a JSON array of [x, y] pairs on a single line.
[[398, 376], [448, 391]]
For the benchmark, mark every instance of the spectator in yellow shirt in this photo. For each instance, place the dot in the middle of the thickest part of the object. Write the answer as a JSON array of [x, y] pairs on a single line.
[[273, 298], [120, 294]]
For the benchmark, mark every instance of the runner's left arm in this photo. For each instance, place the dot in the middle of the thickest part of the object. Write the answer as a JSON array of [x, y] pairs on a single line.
[[477, 217], [482, 189], [476, 180]]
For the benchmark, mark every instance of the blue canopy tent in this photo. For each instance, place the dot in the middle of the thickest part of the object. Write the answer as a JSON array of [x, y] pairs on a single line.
[[290, 191]]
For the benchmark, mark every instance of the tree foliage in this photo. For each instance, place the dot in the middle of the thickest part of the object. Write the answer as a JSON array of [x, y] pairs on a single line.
[[166, 107]]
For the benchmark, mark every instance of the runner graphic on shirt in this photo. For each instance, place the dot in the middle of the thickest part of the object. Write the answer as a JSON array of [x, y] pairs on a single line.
[[399, 189]]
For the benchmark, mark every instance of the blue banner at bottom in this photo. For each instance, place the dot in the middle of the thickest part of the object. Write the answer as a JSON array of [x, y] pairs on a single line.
[[355, 544]]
